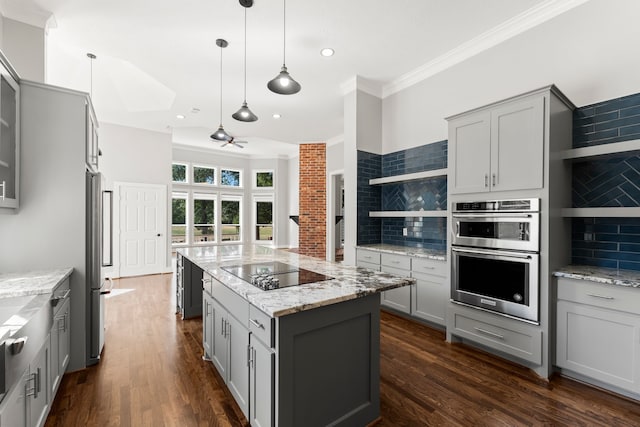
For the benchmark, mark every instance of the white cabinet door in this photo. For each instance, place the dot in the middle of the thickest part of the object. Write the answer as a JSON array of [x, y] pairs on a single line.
[[517, 145], [13, 410], [207, 324], [429, 299], [9, 140], [599, 343], [261, 385], [399, 298], [238, 368], [469, 153], [38, 389], [219, 342]]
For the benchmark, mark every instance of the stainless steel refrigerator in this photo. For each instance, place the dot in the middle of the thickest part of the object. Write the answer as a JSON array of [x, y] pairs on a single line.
[[99, 255]]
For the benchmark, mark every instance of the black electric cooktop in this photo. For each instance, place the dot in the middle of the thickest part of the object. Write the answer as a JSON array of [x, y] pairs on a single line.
[[274, 275]]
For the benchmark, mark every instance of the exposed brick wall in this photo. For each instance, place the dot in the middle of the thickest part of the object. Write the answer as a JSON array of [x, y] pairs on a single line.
[[312, 232]]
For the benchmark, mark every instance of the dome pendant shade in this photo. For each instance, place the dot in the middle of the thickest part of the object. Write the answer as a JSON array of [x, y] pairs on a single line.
[[221, 135], [244, 114], [283, 83]]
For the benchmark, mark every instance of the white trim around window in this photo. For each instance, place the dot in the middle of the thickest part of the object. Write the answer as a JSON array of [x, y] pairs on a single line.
[[261, 229], [254, 179], [187, 172], [179, 195], [214, 175], [231, 232], [204, 233], [240, 177]]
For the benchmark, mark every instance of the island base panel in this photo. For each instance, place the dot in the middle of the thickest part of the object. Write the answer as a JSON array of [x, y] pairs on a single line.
[[329, 365]]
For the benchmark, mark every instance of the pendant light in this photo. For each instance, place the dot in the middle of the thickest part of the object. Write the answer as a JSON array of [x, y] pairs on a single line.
[[283, 83], [220, 134], [244, 114]]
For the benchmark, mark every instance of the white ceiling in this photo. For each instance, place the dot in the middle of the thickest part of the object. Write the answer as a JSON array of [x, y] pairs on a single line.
[[157, 58]]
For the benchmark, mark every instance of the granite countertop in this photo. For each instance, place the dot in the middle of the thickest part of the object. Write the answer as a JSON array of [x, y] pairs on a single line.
[[608, 276], [404, 250], [31, 283], [349, 282]]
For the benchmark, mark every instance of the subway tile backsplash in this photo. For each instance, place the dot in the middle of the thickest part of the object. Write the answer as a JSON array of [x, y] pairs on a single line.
[[613, 181]]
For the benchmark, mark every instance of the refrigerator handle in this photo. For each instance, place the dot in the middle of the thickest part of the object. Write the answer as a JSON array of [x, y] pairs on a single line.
[[108, 199], [108, 291]]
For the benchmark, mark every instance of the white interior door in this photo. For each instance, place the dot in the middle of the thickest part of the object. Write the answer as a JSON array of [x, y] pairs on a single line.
[[142, 227]]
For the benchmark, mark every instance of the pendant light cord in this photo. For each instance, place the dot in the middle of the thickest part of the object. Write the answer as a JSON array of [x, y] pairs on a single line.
[[284, 32], [91, 82], [245, 55], [220, 86]]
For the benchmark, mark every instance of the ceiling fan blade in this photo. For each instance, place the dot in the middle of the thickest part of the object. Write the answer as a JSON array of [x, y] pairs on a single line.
[[224, 144], [239, 146], [241, 142]]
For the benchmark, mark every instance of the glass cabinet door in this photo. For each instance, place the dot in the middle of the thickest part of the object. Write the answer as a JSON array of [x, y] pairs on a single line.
[[9, 141]]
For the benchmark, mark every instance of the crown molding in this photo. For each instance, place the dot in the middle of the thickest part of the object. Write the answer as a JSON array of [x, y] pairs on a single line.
[[27, 13], [520, 23], [362, 84]]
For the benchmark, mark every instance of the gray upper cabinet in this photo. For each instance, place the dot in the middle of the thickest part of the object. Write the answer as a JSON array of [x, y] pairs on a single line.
[[9, 139], [498, 148]]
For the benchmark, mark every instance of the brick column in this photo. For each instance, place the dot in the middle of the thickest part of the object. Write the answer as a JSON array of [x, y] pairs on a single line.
[[312, 231]]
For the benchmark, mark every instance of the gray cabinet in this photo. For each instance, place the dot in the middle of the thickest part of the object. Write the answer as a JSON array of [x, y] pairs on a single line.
[[598, 333], [431, 292], [188, 288], [27, 404], [92, 151], [427, 299], [207, 325], [60, 339], [228, 338], [9, 139], [498, 148]]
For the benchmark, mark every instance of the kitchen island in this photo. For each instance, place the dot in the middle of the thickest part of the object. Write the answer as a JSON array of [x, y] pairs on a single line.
[[299, 355]]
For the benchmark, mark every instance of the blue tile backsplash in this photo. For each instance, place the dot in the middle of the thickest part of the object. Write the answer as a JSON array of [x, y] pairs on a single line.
[[606, 242], [609, 121], [610, 182], [422, 194]]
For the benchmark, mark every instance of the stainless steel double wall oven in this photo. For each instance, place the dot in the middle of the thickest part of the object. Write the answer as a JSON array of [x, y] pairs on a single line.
[[495, 255]]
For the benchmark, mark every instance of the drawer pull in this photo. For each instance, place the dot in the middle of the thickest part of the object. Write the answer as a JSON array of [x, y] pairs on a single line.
[[367, 257], [601, 296], [256, 323], [395, 262], [426, 267], [492, 334]]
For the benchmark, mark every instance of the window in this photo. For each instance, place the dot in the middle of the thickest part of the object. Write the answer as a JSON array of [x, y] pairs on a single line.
[[230, 219], [179, 218], [204, 175], [263, 218], [263, 179], [230, 178], [179, 172], [204, 218]]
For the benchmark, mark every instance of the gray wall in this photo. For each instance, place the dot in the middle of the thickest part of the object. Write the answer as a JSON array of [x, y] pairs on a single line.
[[24, 45]]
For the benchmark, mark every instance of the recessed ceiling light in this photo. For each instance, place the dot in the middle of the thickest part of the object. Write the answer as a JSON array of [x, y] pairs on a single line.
[[180, 116], [276, 116], [327, 51]]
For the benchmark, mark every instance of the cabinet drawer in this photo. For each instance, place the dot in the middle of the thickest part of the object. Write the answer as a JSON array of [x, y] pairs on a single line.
[[520, 342], [395, 261], [61, 294], [368, 256], [600, 295], [429, 266], [261, 325], [369, 265], [237, 306]]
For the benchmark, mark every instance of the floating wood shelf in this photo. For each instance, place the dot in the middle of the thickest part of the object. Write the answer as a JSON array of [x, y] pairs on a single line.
[[408, 177]]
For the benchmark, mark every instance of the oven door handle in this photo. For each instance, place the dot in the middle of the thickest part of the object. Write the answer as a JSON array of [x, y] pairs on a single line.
[[492, 252], [492, 215]]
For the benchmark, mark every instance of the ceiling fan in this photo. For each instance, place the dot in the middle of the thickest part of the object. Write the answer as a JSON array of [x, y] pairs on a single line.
[[232, 141]]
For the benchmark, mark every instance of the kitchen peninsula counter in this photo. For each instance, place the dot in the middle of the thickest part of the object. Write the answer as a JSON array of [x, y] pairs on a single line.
[[300, 355], [348, 282], [406, 250]]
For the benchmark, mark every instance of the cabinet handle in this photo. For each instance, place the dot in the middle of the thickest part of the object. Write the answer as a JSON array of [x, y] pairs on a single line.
[[4, 189], [492, 334], [248, 356], [256, 323], [601, 296], [222, 327], [486, 180], [367, 257], [38, 382], [32, 391], [395, 262], [227, 329], [493, 179]]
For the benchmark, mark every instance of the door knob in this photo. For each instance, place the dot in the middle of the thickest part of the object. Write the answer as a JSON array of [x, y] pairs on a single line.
[[159, 234]]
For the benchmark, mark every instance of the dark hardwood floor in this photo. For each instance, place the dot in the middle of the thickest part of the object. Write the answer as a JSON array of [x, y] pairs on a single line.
[[152, 374]]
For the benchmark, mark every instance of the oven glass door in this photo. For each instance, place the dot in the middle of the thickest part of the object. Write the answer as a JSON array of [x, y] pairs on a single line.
[[500, 231], [501, 281]]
